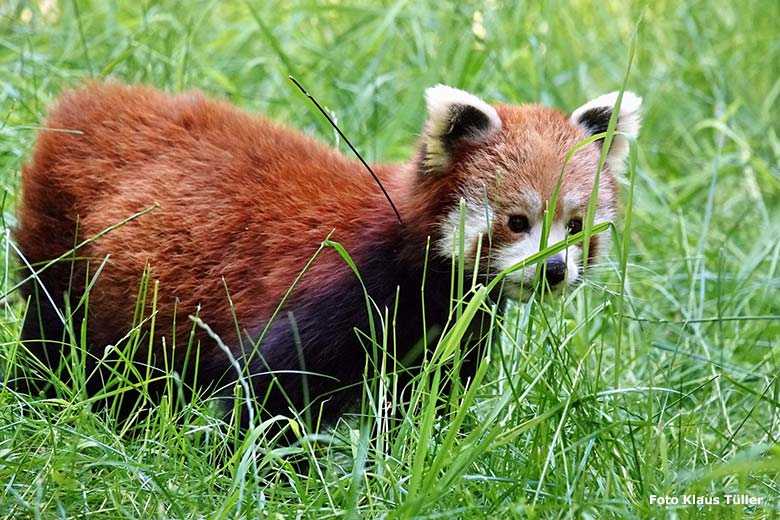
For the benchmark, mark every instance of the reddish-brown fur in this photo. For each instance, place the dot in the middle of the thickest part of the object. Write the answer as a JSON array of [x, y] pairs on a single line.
[[242, 199], [238, 197]]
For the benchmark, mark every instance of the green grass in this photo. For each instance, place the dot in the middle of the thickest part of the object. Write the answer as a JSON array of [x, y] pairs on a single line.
[[656, 377]]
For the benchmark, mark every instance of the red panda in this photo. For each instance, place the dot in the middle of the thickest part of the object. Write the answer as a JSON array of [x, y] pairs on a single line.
[[242, 203]]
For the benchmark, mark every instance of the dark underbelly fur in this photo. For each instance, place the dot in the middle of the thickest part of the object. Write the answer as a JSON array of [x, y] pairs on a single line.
[[311, 358]]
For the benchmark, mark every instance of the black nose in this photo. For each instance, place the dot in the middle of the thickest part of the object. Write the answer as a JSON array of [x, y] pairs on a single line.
[[555, 270]]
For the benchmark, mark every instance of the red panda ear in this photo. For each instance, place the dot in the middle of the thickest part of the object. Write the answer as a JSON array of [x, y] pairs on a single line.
[[593, 117], [454, 116]]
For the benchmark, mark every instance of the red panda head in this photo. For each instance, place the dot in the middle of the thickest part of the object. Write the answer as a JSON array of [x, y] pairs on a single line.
[[505, 163]]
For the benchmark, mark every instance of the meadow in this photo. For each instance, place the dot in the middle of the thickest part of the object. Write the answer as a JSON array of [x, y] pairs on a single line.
[[655, 378]]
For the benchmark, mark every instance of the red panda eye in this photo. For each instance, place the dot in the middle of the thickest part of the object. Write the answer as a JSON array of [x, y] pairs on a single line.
[[574, 226], [518, 223]]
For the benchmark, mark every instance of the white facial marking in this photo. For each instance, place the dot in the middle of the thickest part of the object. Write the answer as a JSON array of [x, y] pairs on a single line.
[[573, 201], [477, 220], [516, 252], [530, 204], [529, 244]]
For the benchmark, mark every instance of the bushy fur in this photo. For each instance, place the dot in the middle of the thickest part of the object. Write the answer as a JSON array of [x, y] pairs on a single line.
[[243, 203]]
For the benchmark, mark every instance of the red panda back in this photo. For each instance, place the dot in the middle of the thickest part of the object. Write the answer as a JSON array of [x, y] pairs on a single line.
[[237, 197]]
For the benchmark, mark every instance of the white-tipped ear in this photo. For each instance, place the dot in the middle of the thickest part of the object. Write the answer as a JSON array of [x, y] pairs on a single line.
[[454, 116], [593, 117]]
